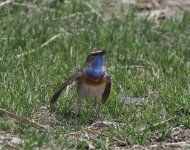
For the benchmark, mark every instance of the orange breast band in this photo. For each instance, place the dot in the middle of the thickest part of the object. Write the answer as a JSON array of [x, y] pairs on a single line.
[[95, 82]]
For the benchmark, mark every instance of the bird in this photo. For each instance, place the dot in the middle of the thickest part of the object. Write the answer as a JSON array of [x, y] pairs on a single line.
[[92, 80]]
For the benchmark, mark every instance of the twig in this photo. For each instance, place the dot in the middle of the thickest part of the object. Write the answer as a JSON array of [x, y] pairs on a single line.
[[6, 2], [74, 15], [160, 123], [30, 6], [43, 45], [138, 66], [97, 132], [22, 119], [176, 145], [94, 10], [182, 144], [50, 40]]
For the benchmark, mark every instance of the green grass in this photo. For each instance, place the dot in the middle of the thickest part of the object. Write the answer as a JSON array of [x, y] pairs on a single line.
[[27, 83]]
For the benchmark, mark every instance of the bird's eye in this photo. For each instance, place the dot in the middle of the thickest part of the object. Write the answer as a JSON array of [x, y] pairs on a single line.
[[95, 54]]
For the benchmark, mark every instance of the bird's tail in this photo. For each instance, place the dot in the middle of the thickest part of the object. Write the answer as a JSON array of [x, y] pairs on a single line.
[[55, 97]]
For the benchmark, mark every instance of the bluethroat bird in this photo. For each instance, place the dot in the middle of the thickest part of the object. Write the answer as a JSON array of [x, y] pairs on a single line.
[[92, 79]]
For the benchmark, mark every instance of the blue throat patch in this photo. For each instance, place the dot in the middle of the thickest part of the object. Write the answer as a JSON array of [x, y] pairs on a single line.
[[96, 70]]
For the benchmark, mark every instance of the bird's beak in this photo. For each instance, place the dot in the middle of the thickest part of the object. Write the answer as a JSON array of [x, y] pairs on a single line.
[[103, 52]]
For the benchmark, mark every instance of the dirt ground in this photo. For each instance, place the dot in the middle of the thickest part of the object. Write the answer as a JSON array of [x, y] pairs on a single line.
[[154, 9]]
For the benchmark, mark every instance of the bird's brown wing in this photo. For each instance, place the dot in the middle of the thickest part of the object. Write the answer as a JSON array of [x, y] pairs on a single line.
[[71, 79], [107, 90]]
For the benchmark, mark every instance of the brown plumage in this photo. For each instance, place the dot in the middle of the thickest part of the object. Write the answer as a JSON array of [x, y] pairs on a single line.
[[88, 87]]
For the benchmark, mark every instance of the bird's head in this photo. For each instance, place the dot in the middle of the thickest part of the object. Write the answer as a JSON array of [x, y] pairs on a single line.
[[95, 64], [96, 58]]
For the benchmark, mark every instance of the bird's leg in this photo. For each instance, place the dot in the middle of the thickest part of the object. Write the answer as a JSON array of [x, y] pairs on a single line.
[[80, 103], [96, 103], [97, 109]]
